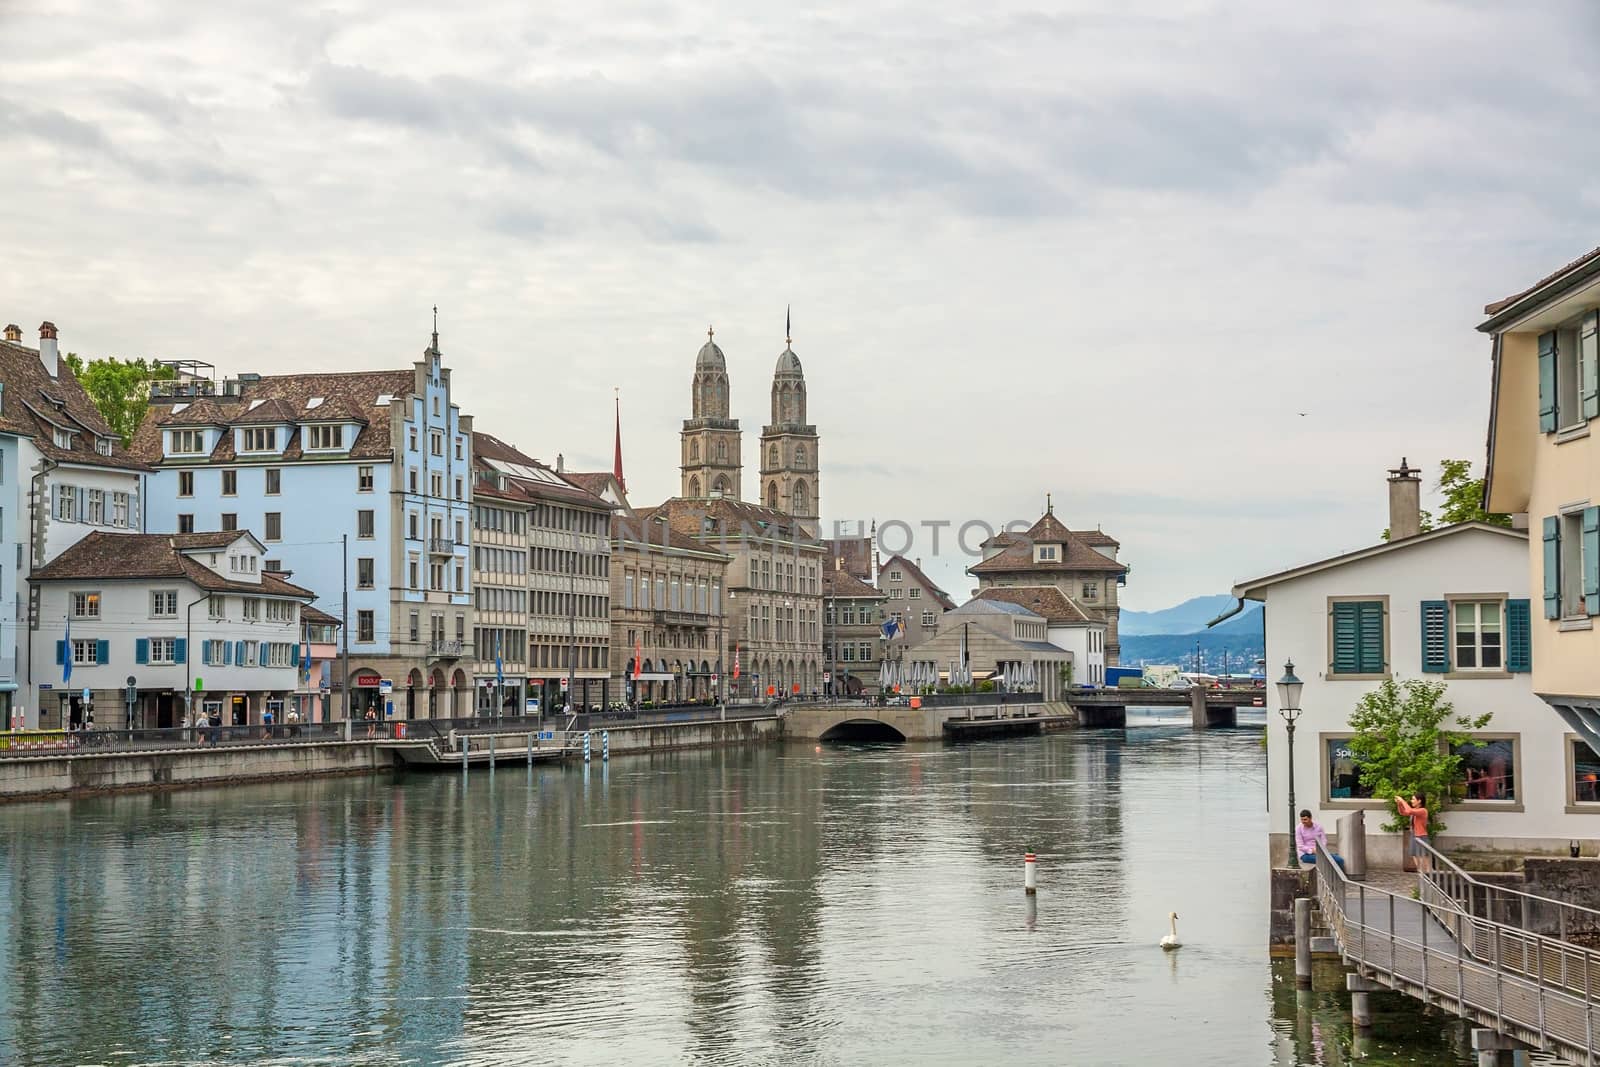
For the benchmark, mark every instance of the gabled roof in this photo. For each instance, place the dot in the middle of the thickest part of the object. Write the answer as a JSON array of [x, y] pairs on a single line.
[[1097, 539], [317, 617], [919, 576], [1251, 589], [1048, 530], [33, 405], [1545, 288], [654, 529], [118, 556], [842, 585], [1044, 600], [1017, 558], [978, 606], [729, 520], [526, 479]]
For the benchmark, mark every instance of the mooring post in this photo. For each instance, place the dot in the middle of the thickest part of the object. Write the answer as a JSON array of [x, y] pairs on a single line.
[[1360, 1000], [530, 749], [1030, 874], [1302, 942]]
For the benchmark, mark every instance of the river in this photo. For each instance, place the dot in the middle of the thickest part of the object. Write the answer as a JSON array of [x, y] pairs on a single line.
[[776, 905]]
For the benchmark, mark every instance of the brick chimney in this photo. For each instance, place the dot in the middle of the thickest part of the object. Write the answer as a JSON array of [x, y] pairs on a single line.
[[1405, 502], [14, 334], [47, 349]]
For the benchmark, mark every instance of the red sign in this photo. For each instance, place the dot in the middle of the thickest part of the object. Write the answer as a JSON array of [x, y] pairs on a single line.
[[771, 691], [368, 679], [796, 688]]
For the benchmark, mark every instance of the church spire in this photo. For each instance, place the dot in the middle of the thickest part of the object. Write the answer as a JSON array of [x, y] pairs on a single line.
[[616, 462]]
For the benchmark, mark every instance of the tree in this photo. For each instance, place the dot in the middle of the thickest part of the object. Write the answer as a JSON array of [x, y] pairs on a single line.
[[1463, 498], [1404, 736], [120, 389]]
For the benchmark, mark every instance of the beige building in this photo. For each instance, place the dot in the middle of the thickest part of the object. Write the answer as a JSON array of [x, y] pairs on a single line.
[[711, 440], [667, 610], [1544, 469], [912, 599], [1083, 565], [998, 638], [853, 643], [789, 477]]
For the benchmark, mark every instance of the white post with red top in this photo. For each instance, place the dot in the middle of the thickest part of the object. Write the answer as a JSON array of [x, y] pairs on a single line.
[[1030, 874]]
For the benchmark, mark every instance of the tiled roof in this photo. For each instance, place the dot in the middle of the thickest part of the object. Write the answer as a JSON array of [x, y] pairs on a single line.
[[317, 617], [595, 482], [33, 404], [1582, 261], [856, 553], [1048, 530], [994, 607], [1076, 556], [1097, 539], [548, 485], [653, 529], [110, 556], [730, 519], [343, 397], [1044, 600], [845, 586], [918, 576]]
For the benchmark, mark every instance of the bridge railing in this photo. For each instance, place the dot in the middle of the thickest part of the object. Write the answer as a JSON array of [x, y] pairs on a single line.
[[1443, 969]]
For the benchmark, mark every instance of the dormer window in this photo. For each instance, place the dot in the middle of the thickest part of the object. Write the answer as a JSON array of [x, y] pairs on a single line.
[[325, 437], [185, 442], [102, 445], [1048, 553], [63, 438], [260, 439]]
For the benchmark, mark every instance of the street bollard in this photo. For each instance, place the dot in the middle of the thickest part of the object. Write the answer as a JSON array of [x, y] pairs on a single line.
[[1302, 942], [1030, 874], [605, 746], [586, 747], [530, 750]]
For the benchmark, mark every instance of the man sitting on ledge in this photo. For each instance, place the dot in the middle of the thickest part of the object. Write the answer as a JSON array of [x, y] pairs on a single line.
[[1307, 836]]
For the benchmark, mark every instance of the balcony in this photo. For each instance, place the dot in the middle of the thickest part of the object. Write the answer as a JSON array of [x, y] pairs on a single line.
[[442, 649], [441, 546], [683, 618]]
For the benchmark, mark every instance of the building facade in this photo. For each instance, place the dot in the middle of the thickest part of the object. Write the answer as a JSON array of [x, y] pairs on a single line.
[[63, 475], [188, 623], [999, 640], [1082, 565], [668, 611], [1544, 469], [357, 480], [912, 599], [789, 462], [711, 440], [1069, 626], [853, 641]]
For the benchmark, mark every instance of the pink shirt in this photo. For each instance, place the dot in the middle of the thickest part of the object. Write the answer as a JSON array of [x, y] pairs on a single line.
[[1306, 837]]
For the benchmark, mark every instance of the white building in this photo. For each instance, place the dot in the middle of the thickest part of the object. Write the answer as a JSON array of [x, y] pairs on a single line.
[[1079, 630], [1449, 605], [178, 613], [63, 474]]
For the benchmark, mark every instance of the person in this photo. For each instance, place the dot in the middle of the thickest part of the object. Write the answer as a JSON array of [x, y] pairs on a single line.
[[372, 722], [266, 725], [294, 722], [1308, 835], [1419, 828]]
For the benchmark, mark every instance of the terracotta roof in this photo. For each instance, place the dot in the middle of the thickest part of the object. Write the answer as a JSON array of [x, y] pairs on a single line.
[[856, 552], [34, 404], [653, 529], [595, 482], [1077, 553], [917, 575], [1046, 600], [846, 586], [351, 396], [1581, 261], [729, 519], [112, 556], [1097, 538], [317, 617], [1048, 530], [547, 484]]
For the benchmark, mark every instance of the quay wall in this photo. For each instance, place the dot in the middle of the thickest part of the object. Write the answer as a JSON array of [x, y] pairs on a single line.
[[663, 737]]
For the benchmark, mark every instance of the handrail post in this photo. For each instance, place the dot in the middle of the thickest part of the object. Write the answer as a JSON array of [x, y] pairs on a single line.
[[1391, 933], [1461, 981], [1538, 981], [1499, 983], [1426, 914]]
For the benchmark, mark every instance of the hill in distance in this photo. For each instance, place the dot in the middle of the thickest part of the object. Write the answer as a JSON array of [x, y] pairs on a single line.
[[1188, 617], [1241, 639]]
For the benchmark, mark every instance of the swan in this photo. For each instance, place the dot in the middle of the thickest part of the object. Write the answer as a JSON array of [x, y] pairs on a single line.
[[1171, 942]]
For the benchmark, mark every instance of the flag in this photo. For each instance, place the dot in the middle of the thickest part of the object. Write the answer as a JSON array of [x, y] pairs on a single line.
[[736, 661], [499, 667], [66, 654], [305, 656], [638, 658]]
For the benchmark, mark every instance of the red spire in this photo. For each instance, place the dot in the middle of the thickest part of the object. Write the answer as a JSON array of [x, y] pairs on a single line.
[[616, 463]]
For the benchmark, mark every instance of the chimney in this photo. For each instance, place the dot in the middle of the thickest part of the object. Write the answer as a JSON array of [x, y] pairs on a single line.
[[14, 334], [561, 463], [47, 348], [1405, 502]]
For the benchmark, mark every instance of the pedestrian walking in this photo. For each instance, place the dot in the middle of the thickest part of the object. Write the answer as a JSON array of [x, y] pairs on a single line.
[[372, 723]]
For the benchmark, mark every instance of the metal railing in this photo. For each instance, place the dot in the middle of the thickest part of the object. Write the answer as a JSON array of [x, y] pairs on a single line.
[[441, 546], [30, 743], [1412, 945], [449, 649]]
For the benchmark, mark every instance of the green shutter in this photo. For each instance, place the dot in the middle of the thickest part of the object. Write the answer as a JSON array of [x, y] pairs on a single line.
[[1552, 566], [1591, 561], [1346, 639], [1435, 637], [61, 653], [1547, 382], [180, 650], [141, 650], [1371, 616], [1519, 637], [102, 652], [1589, 364]]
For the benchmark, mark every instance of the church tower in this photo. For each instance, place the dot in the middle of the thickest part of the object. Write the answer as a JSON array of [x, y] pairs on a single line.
[[789, 480], [711, 440]]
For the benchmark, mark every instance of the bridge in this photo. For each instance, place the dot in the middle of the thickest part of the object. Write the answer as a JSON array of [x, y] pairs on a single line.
[[1517, 965], [933, 721], [1207, 707]]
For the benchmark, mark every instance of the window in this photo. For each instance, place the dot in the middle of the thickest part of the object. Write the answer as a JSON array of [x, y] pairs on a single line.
[[458, 448], [412, 479], [364, 524], [436, 483], [274, 481], [185, 524], [412, 632], [1478, 638], [412, 573], [1342, 771], [1569, 394], [280, 654], [63, 438], [927, 618], [436, 443], [1047, 552], [1571, 541], [96, 510], [252, 608], [66, 503], [1583, 773], [1489, 768], [272, 528], [119, 509], [411, 438], [215, 653], [85, 652], [280, 611], [102, 445], [260, 439], [1091, 591], [185, 442], [896, 594], [164, 604], [248, 655], [85, 605], [436, 576], [913, 593], [461, 532], [365, 626], [364, 572], [230, 483], [272, 564], [896, 576], [461, 584], [363, 479], [413, 527], [163, 649], [1357, 638], [323, 436], [230, 520], [216, 606], [458, 489]]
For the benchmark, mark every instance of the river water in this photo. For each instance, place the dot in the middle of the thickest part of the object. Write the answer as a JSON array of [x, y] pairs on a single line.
[[774, 905]]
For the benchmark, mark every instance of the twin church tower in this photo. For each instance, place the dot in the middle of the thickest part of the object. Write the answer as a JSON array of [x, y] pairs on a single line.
[[712, 463]]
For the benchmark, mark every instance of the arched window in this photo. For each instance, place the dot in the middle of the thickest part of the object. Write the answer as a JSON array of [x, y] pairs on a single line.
[[799, 455], [772, 494], [694, 451], [721, 488], [800, 499], [694, 488], [722, 451], [772, 455]]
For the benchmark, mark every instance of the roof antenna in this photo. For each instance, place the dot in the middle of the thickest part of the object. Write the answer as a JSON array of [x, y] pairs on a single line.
[[436, 327]]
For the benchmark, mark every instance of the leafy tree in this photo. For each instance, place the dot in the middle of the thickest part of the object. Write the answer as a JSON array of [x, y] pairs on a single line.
[[1463, 498], [1404, 733], [119, 388]]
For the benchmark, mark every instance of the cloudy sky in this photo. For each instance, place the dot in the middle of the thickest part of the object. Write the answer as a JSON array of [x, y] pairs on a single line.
[[1030, 247]]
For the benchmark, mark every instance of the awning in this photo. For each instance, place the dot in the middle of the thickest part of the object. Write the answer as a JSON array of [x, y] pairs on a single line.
[[652, 676], [8, 687]]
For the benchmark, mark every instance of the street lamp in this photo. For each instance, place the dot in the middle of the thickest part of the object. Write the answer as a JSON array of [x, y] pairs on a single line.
[[1289, 688]]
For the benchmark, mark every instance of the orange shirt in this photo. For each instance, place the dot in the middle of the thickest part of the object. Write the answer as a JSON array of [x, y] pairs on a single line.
[[1419, 818]]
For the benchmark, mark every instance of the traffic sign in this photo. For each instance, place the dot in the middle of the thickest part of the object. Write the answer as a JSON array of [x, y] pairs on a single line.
[[713, 679], [86, 693], [385, 686], [563, 683]]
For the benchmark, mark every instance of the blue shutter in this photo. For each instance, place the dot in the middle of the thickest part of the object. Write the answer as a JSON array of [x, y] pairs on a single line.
[[141, 650], [1591, 561], [1519, 637], [1547, 382], [102, 652], [1435, 637], [82, 503], [61, 653], [133, 511], [229, 648], [1346, 639], [1552, 566], [1588, 371], [180, 650], [294, 655], [1371, 616]]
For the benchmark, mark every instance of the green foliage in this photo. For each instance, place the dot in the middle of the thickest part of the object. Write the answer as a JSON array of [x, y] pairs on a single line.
[[119, 388], [986, 686], [1463, 498], [1403, 735]]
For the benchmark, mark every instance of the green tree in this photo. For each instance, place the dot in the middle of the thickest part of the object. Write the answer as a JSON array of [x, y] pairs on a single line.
[[120, 389], [1463, 498], [1404, 733]]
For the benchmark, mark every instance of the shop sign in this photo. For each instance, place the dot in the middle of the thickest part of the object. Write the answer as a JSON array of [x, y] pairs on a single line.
[[366, 679]]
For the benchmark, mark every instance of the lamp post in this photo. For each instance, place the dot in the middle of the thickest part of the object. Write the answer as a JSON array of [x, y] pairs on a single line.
[[1289, 707]]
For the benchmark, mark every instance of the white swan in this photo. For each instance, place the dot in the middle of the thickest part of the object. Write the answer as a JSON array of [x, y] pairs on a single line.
[[1171, 942]]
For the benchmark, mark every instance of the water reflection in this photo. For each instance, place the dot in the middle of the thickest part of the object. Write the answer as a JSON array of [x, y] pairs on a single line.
[[774, 905]]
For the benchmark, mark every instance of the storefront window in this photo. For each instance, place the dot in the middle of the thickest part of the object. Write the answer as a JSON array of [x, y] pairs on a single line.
[[1489, 768], [1344, 773], [1585, 774]]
